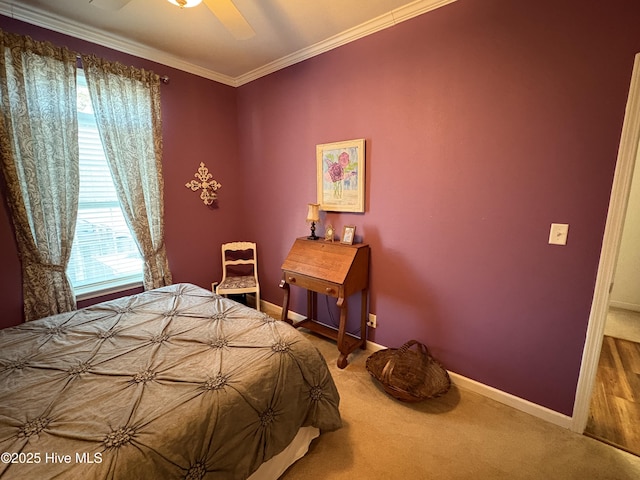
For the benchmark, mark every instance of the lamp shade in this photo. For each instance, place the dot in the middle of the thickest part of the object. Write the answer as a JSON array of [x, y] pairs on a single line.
[[313, 215], [185, 3]]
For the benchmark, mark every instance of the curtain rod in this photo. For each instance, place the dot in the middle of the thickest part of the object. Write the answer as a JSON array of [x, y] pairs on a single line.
[[164, 79]]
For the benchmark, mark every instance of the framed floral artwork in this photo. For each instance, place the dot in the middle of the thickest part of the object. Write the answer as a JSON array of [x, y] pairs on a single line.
[[341, 176]]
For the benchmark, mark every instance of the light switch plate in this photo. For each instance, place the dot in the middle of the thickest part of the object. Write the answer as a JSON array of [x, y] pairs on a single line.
[[558, 234]]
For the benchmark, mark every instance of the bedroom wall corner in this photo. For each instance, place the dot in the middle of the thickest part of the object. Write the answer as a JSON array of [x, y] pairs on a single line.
[[199, 125]]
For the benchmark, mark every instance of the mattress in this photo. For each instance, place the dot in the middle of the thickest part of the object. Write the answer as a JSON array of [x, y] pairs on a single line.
[[172, 383]]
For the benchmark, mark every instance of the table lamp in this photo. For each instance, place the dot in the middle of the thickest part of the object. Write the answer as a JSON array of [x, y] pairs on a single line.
[[313, 216]]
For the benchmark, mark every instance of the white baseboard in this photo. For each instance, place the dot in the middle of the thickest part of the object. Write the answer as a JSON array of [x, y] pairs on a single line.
[[518, 403], [460, 381], [276, 311], [625, 306]]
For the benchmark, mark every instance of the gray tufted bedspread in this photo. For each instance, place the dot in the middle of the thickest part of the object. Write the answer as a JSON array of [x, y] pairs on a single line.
[[172, 383]]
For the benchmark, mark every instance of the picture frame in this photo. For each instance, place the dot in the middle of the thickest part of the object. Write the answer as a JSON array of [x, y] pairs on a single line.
[[329, 233], [348, 234], [341, 176]]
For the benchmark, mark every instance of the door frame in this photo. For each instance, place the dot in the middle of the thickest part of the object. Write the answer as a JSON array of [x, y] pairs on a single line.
[[627, 154]]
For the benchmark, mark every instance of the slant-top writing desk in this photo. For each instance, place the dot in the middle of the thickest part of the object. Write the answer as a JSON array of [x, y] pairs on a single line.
[[333, 269]]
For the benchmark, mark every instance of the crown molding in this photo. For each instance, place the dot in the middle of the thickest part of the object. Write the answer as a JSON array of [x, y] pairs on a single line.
[[77, 30], [382, 22]]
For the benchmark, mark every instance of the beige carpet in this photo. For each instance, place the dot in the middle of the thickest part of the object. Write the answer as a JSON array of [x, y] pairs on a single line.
[[462, 435]]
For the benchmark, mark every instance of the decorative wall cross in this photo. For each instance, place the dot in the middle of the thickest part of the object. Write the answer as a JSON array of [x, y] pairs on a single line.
[[208, 186]]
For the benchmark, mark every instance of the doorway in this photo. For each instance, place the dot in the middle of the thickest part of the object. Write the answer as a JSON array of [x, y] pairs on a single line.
[[627, 155], [614, 415], [615, 403]]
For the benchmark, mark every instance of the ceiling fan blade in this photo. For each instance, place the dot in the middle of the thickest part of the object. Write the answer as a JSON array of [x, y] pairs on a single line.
[[109, 4], [231, 18]]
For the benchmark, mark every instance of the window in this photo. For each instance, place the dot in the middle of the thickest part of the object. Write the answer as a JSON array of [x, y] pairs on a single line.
[[105, 256]]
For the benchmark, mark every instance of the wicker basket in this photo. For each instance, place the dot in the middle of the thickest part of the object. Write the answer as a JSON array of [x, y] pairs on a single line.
[[409, 375]]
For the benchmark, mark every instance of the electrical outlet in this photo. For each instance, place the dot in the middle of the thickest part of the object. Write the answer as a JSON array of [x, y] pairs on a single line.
[[373, 322]]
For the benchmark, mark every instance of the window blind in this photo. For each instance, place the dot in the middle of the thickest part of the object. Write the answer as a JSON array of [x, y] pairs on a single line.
[[105, 256]]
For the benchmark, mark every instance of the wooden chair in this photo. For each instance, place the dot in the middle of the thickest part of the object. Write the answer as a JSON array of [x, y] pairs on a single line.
[[239, 270]]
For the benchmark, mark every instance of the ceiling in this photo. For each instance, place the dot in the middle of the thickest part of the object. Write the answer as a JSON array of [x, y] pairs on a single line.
[[196, 41]]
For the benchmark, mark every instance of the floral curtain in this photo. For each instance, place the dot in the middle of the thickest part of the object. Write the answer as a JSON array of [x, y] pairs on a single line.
[[40, 166], [126, 103]]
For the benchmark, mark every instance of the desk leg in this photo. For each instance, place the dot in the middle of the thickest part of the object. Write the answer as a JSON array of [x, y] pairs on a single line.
[[312, 305], [342, 346], [285, 304]]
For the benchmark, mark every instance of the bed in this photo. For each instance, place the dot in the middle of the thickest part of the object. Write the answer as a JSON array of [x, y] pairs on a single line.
[[171, 383]]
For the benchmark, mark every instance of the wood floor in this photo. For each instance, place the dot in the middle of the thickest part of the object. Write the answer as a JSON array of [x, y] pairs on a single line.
[[614, 416]]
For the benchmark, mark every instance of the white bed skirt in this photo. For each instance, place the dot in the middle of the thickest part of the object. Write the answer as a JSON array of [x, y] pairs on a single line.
[[276, 466]]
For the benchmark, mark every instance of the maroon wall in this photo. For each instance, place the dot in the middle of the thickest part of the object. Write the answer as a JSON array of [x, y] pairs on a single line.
[[484, 123], [199, 125]]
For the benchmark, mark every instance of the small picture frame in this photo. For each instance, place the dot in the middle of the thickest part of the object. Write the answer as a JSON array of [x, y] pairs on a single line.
[[329, 233], [348, 233]]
